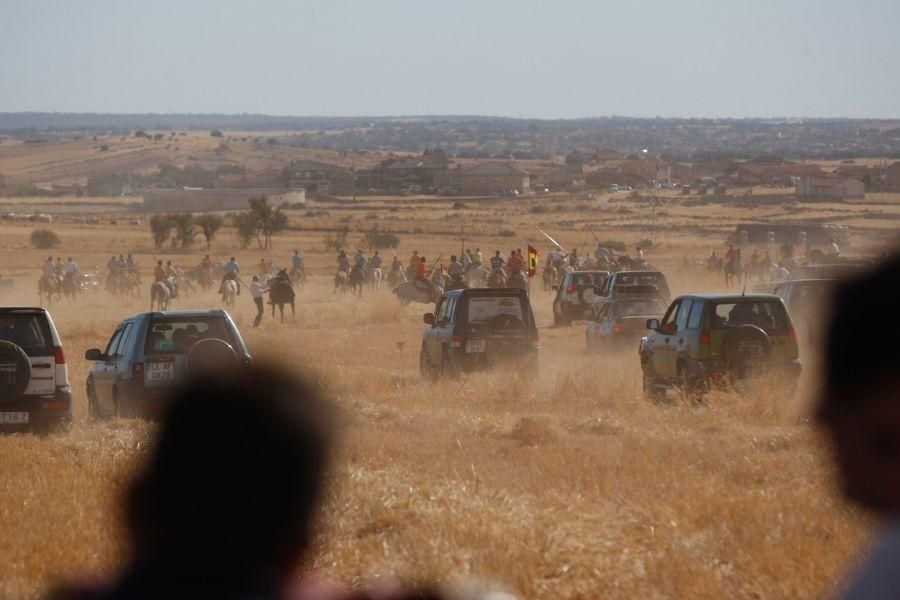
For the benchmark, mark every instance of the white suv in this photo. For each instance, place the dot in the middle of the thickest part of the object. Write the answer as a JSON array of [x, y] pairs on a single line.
[[34, 378]]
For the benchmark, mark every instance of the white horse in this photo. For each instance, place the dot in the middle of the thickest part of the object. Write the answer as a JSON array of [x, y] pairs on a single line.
[[229, 293], [159, 295], [376, 276]]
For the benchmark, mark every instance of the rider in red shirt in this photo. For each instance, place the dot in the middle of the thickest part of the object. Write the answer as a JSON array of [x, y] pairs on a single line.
[[159, 272], [514, 263]]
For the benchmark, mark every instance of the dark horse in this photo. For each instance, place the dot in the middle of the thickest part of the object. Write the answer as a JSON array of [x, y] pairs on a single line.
[[281, 292], [357, 279]]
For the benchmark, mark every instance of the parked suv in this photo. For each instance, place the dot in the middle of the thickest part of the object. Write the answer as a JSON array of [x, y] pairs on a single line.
[[34, 379], [477, 328], [575, 294], [647, 283], [712, 339], [150, 353]]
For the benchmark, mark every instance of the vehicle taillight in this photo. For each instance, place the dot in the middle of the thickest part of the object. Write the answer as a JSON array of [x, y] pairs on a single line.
[[617, 329], [570, 289], [137, 372], [58, 355], [704, 337], [456, 341], [792, 334]]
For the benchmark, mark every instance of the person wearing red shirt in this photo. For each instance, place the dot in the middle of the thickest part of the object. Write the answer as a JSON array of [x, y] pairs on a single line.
[[159, 272], [514, 263]]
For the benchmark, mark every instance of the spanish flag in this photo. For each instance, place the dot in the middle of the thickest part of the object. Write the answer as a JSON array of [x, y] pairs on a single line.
[[532, 261]]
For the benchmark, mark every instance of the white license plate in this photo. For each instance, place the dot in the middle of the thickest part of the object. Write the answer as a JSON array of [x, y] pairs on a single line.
[[13, 418], [160, 371], [474, 346]]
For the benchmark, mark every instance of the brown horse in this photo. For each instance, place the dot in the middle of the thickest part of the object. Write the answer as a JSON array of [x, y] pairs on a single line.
[[281, 292]]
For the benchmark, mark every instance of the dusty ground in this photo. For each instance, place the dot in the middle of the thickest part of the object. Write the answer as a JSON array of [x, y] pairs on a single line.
[[570, 486]]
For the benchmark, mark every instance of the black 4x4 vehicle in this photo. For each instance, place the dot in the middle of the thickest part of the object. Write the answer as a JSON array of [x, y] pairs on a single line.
[[477, 328]]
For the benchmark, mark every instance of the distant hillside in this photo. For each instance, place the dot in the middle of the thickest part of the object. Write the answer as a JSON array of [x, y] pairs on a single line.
[[494, 136]]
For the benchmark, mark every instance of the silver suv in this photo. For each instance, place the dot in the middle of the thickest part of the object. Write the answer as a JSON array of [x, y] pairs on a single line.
[[150, 353], [34, 379]]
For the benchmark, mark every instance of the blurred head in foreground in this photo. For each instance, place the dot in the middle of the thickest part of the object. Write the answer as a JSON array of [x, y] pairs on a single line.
[[860, 407], [230, 493]]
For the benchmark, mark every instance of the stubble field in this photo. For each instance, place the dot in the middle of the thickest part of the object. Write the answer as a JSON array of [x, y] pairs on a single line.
[[567, 485]]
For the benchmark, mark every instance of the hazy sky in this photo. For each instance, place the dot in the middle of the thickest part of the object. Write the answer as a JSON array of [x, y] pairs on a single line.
[[520, 58]]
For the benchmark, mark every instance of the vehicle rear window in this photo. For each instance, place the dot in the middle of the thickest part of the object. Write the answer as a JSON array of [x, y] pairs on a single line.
[[31, 333], [638, 308], [175, 335], [484, 308], [657, 280], [768, 315], [588, 279]]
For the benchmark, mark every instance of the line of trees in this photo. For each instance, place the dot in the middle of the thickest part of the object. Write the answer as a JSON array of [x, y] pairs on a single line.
[[186, 227], [261, 222]]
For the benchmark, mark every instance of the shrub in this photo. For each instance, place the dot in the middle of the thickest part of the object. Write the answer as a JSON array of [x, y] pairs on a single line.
[[337, 241], [381, 239], [213, 133], [104, 147], [506, 233], [44, 238], [614, 245], [160, 226], [247, 226]]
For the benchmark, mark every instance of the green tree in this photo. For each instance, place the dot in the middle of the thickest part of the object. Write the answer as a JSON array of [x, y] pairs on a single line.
[[160, 227], [270, 221], [184, 228], [44, 238], [215, 133], [209, 224], [247, 227]]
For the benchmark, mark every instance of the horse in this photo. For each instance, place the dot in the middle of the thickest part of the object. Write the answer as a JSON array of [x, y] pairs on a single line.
[[497, 279], [205, 278], [734, 269], [394, 277], [517, 280], [159, 295], [71, 285], [550, 277], [281, 292], [416, 291], [49, 285], [298, 276], [376, 276], [357, 279], [341, 281], [477, 276], [229, 292], [456, 282]]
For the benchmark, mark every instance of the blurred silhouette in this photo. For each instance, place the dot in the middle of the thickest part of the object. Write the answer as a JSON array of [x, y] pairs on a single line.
[[860, 410], [226, 504]]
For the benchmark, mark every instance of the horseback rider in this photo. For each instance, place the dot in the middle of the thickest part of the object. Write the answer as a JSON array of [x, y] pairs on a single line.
[[159, 272], [478, 259], [375, 261], [712, 262], [232, 269], [413, 265], [421, 280], [129, 262], [573, 258], [602, 254], [206, 263], [514, 263], [343, 262], [455, 269], [171, 279], [71, 267], [359, 259], [49, 269], [730, 254], [298, 264], [466, 260], [497, 261]]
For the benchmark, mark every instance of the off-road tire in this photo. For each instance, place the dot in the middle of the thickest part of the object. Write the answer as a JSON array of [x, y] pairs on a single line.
[[16, 376]]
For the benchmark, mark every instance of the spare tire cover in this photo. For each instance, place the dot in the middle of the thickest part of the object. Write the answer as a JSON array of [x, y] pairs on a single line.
[[210, 356], [15, 371], [745, 347]]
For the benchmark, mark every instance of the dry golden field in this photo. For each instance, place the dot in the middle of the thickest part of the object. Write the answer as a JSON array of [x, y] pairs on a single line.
[[567, 486]]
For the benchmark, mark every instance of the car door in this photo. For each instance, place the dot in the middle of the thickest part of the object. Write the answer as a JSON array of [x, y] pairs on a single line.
[[663, 351], [430, 341], [443, 326], [681, 339], [121, 366], [103, 372]]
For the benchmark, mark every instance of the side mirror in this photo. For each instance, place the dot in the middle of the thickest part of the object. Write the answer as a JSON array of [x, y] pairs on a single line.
[[93, 354], [428, 318], [555, 288], [653, 324]]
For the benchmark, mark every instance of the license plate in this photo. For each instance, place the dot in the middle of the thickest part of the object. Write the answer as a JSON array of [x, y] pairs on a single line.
[[474, 346], [160, 371], [13, 418]]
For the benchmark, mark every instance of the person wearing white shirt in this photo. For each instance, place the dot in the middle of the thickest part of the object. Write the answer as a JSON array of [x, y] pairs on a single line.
[[257, 291], [71, 266]]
